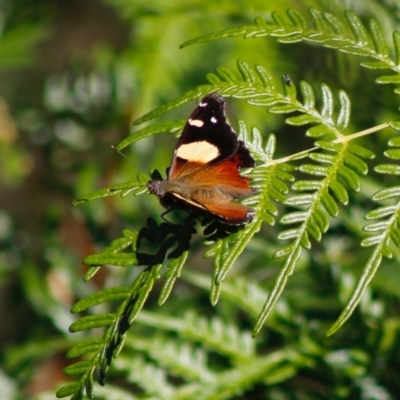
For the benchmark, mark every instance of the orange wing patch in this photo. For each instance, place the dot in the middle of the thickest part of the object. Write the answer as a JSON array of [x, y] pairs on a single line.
[[230, 211], [224, 176]]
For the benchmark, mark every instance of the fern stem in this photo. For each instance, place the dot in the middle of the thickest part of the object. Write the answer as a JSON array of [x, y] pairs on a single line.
[[363, 133], [343, 139]]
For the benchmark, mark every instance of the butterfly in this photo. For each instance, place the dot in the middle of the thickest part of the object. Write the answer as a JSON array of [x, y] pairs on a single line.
[[204, 172]]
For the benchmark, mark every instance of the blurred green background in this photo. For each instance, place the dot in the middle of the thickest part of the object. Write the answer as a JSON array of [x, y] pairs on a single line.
[[73, 77]]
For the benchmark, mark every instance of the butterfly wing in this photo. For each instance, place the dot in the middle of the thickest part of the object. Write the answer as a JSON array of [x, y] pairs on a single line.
[[207, 138], [215, 187]]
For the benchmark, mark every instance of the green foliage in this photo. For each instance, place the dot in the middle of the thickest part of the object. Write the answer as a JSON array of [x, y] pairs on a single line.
[[17, 44], [319, 258], [184, 346], [123, 188], [384, 233], [327, 30], [335, 167]]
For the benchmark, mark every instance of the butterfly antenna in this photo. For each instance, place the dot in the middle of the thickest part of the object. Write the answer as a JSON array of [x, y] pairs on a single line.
[[123, 155]]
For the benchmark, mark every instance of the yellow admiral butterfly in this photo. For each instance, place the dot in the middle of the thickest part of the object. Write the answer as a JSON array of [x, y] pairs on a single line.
[[204, 172]]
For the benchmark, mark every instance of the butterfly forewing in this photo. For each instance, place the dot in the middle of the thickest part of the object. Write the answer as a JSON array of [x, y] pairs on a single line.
[[205, 139]]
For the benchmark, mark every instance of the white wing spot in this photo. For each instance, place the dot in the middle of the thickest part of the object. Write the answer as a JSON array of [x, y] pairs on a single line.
[[203, 104], [201, 151], [213, 120], [196, 122]]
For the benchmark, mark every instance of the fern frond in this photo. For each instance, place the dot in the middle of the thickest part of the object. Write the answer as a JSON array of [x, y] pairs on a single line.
[[112, 254], [258, 88], [103, 296], [271, 186], [87, 346], [182, 359], [227, 339], [124, 188], [200, 377], [252, 85], [318, 199], [111, 391], [132, 300], [271, 368], [325, 29], [383, 232], [174, 269], [225, 252], [200, 92], [170, 127], [242, 292], [148, 376]]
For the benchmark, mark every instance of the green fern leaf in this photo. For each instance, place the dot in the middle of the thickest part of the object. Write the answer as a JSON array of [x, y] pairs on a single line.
[[291, 254], [123, 188], [103, 296], [121, 259], [248, 295], [247, 73], [378, 39], [228, 339], [151, 378], [357, 27], [344, 111], [190, 95], [170, 127], [174, 269], [249, 31], [389, 79], [118, 323], [77, 369], [375, 64], [384, 230], [335, 24], [285, 109], [69, 390], [92, 321], [396, 42], [343, 160], [328, 31], [271, 187], [142, 288], [308, 95], [87, 346], [112, 254], [182, 359], [386, 194], [225, 252], [299, 120]]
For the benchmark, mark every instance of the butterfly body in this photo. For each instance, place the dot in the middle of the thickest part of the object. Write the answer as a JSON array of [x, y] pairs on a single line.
[[204, 172]]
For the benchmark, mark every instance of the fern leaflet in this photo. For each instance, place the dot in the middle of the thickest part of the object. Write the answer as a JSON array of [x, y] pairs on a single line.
[[328, 30], [384, 232]]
